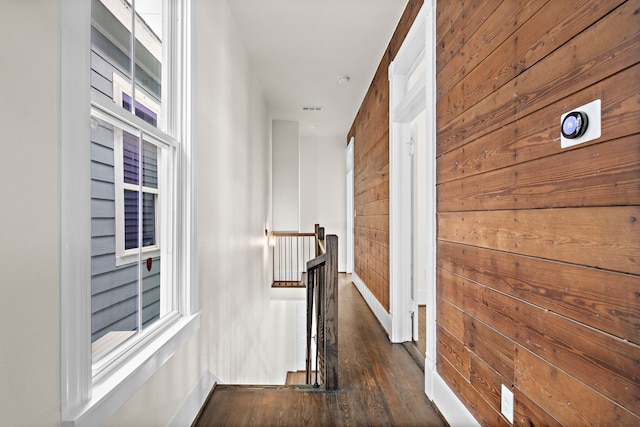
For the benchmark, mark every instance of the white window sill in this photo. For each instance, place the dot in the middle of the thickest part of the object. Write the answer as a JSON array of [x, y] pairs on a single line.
[[109, 394]]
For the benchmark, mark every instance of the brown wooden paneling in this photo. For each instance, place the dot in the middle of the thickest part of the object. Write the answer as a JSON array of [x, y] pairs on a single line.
[[473, 15], [493, 348], [527, 414], [603, 49], [489, 37], [555, 24], [479, 407], [538, 245], [536, 135], [379, 192], [601, 361], [602, 237], [593, 176], [567, 400], [600, 299], [449, 314], [454, 351], [487, 381]]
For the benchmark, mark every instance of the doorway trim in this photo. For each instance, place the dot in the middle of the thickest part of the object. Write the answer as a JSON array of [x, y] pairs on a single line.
[[407, 266], [350, 206]]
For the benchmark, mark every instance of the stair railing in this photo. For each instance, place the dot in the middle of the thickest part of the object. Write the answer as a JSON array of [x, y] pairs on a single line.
[[291, 251], [322, 309]]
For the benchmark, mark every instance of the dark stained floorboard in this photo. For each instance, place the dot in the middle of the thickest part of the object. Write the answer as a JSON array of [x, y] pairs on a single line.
[[380, 384]]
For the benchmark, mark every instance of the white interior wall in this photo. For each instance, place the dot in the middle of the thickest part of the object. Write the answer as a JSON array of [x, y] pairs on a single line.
[[244, 336], [322, 188], [286, 176], [247, 337], [30, 214]]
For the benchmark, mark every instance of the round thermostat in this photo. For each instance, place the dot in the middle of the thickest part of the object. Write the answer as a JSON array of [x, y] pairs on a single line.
[[574, 124]]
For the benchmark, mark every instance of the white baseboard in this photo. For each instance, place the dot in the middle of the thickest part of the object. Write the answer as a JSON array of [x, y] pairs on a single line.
[[191, 406], [381, 314], [451, 408]]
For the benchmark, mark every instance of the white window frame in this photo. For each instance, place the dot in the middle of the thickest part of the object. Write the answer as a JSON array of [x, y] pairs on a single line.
[[128, 256], [87, 399]]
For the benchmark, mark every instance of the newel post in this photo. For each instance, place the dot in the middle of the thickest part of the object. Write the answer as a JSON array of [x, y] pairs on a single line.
[[331, 314]]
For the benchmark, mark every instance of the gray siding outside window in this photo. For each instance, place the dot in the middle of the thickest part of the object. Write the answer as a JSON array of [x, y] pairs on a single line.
[[114, 289]]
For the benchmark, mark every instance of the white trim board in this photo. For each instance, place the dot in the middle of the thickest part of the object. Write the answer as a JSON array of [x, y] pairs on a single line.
[[195, 400], [451, 408], [378, 310]]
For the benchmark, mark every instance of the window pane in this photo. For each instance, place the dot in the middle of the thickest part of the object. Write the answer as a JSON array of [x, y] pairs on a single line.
[[149, 55], [151, 274], [130, 158], [143, 112], [114, 289], [131, 179], [149, 165], [130, 219], [149, 219], [126, 294], [110, 44]]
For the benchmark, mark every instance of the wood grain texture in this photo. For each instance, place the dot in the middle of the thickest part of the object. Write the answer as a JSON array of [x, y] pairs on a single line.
[[331, 319], [567, 400], [474, 14], [600, 299], [603, 49], [598, 175], [505, 50], [603, 362], [473, 399], [488, 39], [379, 384], [537, 135], [602, 237]]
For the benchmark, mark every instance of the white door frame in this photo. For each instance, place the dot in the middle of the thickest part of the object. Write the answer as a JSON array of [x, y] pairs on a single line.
[[350, 207], [406, 104], [421, 37]]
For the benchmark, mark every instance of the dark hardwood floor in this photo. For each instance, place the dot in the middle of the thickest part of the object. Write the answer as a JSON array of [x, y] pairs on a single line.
[[380, 384]]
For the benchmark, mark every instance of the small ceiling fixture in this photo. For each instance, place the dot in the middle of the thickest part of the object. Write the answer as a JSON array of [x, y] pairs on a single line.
[[343, 80]]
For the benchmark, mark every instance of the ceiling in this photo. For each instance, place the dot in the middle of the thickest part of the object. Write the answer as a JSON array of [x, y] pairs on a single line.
[[298, 49]]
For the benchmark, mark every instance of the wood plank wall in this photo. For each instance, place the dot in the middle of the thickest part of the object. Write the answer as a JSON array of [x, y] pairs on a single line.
[[538, 278], [370, 130]]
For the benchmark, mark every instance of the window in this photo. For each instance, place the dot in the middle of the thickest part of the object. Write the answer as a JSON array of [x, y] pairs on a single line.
[[132, 177], [132, 200], [128, 300]]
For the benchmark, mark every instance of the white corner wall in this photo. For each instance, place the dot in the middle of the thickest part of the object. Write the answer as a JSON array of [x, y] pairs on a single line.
[[246, 338], [286, 176], [30, 213], [323, 193]]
